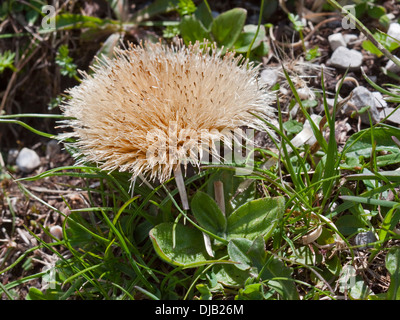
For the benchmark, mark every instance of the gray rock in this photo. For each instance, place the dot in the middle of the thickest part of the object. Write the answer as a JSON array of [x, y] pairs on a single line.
[[27, 160], [361, 98], [394, 32], [52, 148], [380, 102], [336, 40], [390, 16], [344, 58], [12, 156], [395, 117], [392, 67], [363, 239], [330, 102], [350, 38], [56, 231]]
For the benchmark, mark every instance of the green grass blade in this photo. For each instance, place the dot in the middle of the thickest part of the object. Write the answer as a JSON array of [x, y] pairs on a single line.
[[23, 124], [371, 201]]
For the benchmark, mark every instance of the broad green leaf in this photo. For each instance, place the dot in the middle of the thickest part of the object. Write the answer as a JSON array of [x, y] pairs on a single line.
[[351, 163], [334, 265], [359, 144], [385, 20], [230, 276], [249, 254], [292, 126], [227, 27], [255, 218], [279, 277], [77, 233], [245, 38], [312, 53], [389, 222], [306, 255], [189, 250], [360, 290], [204, 15], [237, 191], [353, 205], [352, 283], [349, 224], [389, 159], [154, 8], [326, 237], [393, 266], [270, 8], [208, 214], [376, 11], [238, 252], [192, 30], [369, 46], [68, 21], [257, 253], [48, 294], [205, 292], [254, 291], [261, 51], [32, 16]]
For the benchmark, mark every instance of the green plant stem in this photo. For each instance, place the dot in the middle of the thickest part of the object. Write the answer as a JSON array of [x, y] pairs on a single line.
[[258, 29], [302, 41], [208, 7], [40, 133]]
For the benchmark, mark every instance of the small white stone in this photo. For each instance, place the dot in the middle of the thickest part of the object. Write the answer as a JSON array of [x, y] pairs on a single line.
[[394, 118], [361, 98], [52, 148], [283, 91], [392, 67], [304, 93], [27, 160], [12, 156], [330, 102], [336, 40], [56, 232], [380, 102], [350, 38], [394, 32], [344, 58], [390, 16]]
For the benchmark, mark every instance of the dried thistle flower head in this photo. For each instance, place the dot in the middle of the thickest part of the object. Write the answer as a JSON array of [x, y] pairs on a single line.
[[147, 110]]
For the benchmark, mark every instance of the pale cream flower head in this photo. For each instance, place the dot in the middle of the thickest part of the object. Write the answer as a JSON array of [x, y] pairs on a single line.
[[133, 109]]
